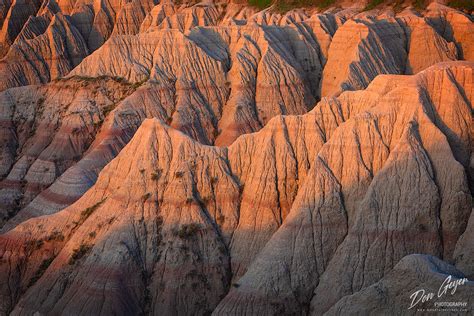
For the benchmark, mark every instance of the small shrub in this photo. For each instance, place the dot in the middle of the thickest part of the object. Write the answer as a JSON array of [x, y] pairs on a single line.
[[55, 235], [96, 125], [206, 200], [91, 209], [189, 200], [86, 78], [188, 230], [116, 79], [38, 244], [34, 244], [466, 5], [159, 221], [220, 219], [155, 176], [146, 196], [179, 174], [41, 101], [80, 252], [109, 108], [138, 84], [42, 268], [92, 234]]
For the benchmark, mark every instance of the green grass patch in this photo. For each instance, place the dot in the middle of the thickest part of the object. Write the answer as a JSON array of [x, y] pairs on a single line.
[[287, 5], [373, 4], [419, 5], [260, 4], [466, 5]]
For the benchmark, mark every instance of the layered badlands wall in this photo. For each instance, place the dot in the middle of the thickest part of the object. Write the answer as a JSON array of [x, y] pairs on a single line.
[[291, 219], [212, 71], [329, 210]]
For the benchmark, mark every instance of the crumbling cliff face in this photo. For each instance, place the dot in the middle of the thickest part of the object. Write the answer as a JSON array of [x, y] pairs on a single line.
[[362, 206], [212, 70], [308, 210], [189, 159]]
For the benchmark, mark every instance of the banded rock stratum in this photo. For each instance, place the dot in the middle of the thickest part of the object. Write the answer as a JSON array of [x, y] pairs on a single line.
[[214, 158]]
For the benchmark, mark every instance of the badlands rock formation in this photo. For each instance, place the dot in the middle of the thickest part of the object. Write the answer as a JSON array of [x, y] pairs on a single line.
[[212, 70], [413, 273], [171, 225], [360, 209], [197, 158]]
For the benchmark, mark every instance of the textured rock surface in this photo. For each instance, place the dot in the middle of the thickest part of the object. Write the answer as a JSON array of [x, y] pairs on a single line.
[[228, 74], [195, 158], [171, 224], [43, 40], [358, 212], [391, 295], [45, 131], [49, 55], [359, 51]]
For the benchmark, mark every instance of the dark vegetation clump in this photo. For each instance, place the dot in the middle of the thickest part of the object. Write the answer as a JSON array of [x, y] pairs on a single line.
[[372, 4], [146, 196], [91, 209], [55, 236], [41, 101], [465, 5], [42, 268], [155, 176], [188, 230], [287, 5], [78, 253], [261, 4], [34, 244], [108, 108], [419, 4], [138, 84]]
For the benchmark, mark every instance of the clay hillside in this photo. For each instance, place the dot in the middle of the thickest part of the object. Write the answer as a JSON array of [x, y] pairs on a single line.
[[288, 157]]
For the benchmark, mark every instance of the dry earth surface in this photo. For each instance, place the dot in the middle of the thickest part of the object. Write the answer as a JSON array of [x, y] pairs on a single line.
[[214, 158]]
